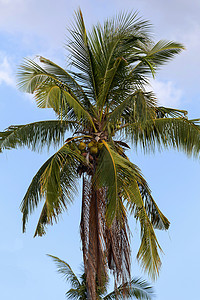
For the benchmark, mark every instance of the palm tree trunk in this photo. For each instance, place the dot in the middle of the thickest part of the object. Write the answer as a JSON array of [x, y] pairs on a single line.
[[102, 245], [92, 236]]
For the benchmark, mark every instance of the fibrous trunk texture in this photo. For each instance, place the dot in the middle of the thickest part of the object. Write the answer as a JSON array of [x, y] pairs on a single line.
[[103, 246]]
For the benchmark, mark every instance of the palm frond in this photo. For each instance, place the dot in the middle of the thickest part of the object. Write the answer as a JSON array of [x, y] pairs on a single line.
[[148, 252], [116, 37], [30, 75], [162, 52], [118, 250], [136, 288], [122, 180], [166, 112], [65, 77], [107, 82], [138, 107], [51, 92], [81, 56], [156, 217], [116, 172], [111, 46], [109, 180], [66, 271], [178, 133], [131, 185], [54, 184], [76, 294], [151, 56], [36, 135], [120, 108]]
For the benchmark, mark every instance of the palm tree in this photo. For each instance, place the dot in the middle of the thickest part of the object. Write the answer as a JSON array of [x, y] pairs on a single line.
[[136, 288], [102, 100]]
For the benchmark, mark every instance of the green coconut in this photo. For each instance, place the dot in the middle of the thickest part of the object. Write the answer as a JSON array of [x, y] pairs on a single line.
[[82, 146], [91, 144], [94, 150]]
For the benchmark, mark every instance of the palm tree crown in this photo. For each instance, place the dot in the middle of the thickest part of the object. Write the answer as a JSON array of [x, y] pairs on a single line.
[[135, 289], [102, 100]]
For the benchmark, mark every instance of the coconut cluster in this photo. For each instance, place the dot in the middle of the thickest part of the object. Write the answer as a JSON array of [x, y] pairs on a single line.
[[90, 151], [92, 147]]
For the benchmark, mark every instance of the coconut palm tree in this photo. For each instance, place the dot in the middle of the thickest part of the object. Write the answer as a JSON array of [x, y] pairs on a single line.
[[135, 289], [102, 100]]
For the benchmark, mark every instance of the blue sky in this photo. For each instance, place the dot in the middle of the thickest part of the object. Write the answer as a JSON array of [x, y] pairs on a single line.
[[32, 27]]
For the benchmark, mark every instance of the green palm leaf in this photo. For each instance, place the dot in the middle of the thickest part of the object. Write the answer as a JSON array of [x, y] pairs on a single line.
[[66, 271], [163, 51], [51, 92], [111, 46], [110, 172], [153, 56], [148, 253], [65, 77], [82, 58], [125, 183], [158, 220], [136, 108], [136, 288], [54, 184], [107, 82], [36, 135], [109, 179], [178, 133]]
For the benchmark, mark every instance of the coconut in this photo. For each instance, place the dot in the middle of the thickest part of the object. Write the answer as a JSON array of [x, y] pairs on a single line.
[[82, 146], [91, 144], [93, 150]]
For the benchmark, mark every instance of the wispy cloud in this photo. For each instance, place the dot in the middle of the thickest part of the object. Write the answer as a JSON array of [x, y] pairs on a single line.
[[6, 73], [38, 21], [166, 92]]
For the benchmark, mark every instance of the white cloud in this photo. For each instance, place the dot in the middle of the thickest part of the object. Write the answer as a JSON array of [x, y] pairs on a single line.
[[166, 93], [6, 72], [35, 20], [40, 27]]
